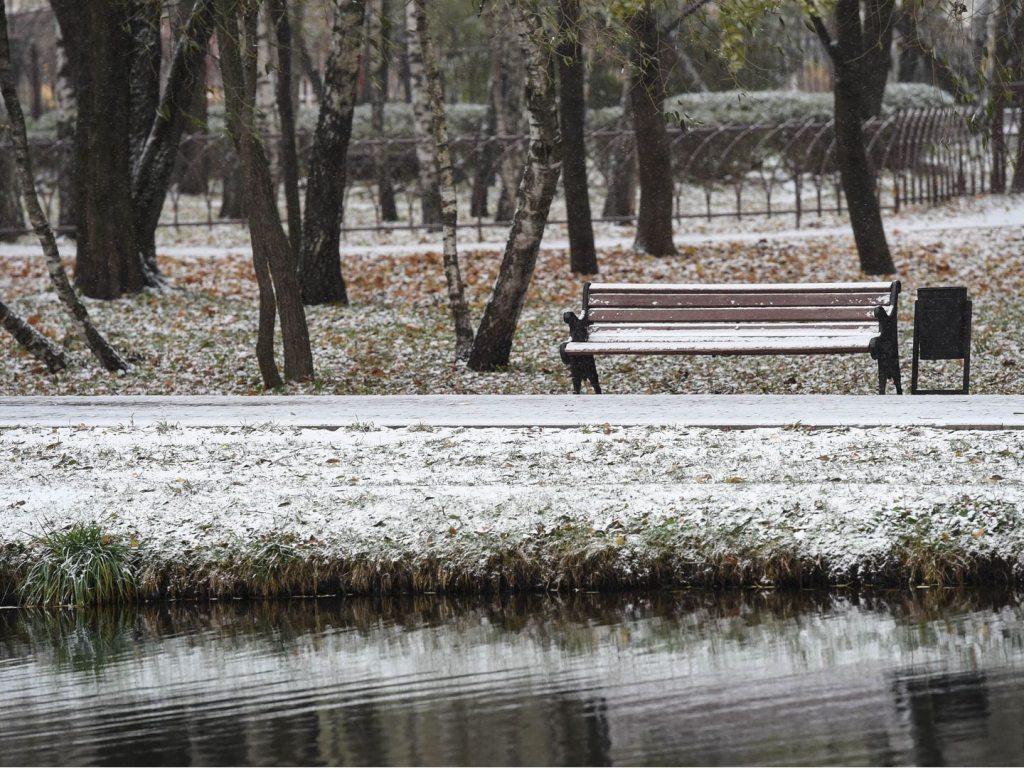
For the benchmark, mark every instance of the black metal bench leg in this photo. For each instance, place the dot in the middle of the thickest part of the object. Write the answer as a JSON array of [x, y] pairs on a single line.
[[591, 368]]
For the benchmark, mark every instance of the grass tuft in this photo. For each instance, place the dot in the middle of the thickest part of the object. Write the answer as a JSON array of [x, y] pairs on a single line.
[[78, 565]]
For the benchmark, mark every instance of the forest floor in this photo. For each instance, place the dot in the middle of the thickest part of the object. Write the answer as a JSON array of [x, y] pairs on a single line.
[[396, 335], [262, 508]]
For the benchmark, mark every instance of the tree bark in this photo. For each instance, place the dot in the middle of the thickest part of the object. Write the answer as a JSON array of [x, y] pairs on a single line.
[[851, 152], [286, 112], [12, 215], [320, 265], [37, 345], [657, 186], [378, 33], [426, 160], [620, 197], [493, 344], [449, 204], [144, 23], [106, 354], [66, 111], [572, 116], [275, 269], [107, 264], [151, 175]]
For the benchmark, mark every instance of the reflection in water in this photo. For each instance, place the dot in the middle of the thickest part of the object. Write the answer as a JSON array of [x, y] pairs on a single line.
[[693, 677]]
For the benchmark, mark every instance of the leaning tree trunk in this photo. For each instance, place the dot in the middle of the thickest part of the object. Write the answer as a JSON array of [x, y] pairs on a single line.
[[493, 344], [851, 149], [107, 264], [620, 197], [275, 269], [105, 353], [449, 204], [37, 345], [320, 264], [152, 171], [286, 112], [572, 114], [379, 41], [654, 222], [426, 159]]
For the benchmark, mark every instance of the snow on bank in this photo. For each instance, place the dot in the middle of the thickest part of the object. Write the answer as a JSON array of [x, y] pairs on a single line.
[[897, 502]]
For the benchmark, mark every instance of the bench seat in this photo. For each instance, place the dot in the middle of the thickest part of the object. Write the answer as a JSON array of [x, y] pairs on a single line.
[[756, 319]]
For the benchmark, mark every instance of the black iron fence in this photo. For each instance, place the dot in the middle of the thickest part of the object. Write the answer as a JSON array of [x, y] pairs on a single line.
[[737, 171]]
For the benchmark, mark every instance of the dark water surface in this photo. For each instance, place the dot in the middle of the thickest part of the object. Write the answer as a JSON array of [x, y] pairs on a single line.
[[680, 678]]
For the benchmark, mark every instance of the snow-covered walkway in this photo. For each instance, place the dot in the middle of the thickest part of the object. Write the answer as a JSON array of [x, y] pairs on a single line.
[[513, 411]]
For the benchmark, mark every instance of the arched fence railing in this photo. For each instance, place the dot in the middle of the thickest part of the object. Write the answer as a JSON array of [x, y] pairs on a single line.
[[787, 169]]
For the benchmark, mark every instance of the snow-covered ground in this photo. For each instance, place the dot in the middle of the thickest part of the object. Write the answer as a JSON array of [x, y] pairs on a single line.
[[425, 508]]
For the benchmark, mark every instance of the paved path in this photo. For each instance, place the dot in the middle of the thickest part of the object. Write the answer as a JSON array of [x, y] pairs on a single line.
[[329, 412]]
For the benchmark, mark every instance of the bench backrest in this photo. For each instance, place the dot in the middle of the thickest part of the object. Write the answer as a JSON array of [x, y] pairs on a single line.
[[825, 305]]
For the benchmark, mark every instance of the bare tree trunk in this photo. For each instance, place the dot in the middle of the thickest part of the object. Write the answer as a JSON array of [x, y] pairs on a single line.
[[493, 344], [12, 216], [504, 122], [620, 197], [152, 170], [37, 345], [879, 22], [107, 264], [449, 207], [483, 167], [144, 23], [572, 114], [657, 186], [275, 270], [426, 160], [320, 265], [379, 54], [105, 353], [278, 10], [66, 111], [851, 150]]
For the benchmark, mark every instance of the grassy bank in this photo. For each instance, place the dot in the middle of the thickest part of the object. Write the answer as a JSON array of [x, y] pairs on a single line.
[[166, 512]]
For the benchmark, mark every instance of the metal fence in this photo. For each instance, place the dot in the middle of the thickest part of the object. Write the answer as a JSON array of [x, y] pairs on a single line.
[[788, 169]]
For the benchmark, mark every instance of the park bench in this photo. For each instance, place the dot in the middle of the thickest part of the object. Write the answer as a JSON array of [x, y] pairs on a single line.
[[753, 319]]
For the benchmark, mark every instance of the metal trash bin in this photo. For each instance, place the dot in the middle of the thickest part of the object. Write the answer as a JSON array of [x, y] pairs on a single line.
[[942, 331]]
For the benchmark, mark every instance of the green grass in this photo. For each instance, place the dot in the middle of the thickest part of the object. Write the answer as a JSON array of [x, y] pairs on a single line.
[[78, 565]]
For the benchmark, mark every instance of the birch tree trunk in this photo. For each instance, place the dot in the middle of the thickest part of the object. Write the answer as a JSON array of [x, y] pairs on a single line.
[[275, 270], [426, 159], [572, 115], [449, 207], [493, 344], [278, 10], [37, 345], [379, 43], [106, 354], [320, 263]]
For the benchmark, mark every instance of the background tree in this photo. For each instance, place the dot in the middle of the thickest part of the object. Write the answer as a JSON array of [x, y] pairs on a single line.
[[379, 33], [275, 269], [572, 117], [446, 178], [320, 263], [852, 102], [426, 157], [278, 10]]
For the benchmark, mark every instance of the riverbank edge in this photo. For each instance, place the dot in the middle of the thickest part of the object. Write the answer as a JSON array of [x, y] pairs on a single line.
[[571, 561]]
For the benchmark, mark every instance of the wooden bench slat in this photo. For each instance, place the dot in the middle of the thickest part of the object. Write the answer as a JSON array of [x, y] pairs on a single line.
[[723, 300], [646, 334], [803, 327], [737, 314], [795, 346], [596, 288]]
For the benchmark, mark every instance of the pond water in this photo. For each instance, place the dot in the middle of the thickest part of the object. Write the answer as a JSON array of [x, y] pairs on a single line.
[[929, 677]]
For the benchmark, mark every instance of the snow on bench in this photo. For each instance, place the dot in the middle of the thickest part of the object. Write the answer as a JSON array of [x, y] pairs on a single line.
[[752, 319]]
